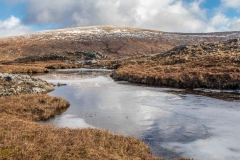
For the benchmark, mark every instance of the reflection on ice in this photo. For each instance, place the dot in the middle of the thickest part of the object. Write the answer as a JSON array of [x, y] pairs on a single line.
[[172, 125], [71, 121], [97, 80], [83, 69], [80, 77]]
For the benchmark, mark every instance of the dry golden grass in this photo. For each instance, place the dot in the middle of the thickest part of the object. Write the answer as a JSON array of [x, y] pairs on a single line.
[[45, 66], [181, 76], [207, 65], [62, 65], [21, 138], [33, 107], [35, 67], [22, 68]]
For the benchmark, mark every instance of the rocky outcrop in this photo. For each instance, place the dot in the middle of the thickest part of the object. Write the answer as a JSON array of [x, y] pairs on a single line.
[[14, 84], [68, 56], [41, 58], [87, 55], [226, 51]]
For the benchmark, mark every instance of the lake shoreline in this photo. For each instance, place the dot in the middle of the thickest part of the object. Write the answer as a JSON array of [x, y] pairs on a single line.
[[22, 110], [16, 152], [98, 101]]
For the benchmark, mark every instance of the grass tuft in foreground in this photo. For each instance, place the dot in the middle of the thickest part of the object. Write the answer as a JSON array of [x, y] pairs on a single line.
[[33, 107], [21, 139]]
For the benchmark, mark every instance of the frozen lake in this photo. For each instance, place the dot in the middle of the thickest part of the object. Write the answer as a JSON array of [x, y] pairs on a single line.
[[172, 125]]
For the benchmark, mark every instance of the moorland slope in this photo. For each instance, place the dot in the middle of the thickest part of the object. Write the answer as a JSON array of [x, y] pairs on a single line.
[[109, 40]]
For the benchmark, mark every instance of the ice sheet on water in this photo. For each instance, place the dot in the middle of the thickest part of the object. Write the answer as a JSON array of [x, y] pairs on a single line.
[[172, 125], [69, 120]]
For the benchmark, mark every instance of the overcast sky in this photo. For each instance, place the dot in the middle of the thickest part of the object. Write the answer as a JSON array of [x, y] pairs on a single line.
[[26, 16]]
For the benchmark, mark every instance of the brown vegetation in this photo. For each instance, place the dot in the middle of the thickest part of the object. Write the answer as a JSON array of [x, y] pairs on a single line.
[[35, 67], [21, 138], [33, 107], [22, 68], [207, 65], [45, 66], [180, 76], [112, 41]]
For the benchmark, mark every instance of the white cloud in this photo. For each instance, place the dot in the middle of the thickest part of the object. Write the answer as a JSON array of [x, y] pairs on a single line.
[[235, 25], [164, 15], [231, 4], [221, 22], [218, 23], [174, 16], [12, 26]]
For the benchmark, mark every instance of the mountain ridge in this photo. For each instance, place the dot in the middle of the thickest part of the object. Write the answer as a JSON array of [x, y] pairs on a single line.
[[110, 40]]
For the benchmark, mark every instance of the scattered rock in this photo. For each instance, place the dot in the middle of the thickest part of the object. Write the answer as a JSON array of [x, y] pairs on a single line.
[[185, 53], [88, 55], [13, 84], [41, 58], [61, 84]]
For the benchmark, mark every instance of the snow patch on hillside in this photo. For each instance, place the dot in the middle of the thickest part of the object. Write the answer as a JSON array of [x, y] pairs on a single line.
[[86, 34]]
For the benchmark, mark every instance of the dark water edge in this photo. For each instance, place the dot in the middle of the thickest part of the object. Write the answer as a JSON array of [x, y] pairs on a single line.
[[173, 125], [227, 95]]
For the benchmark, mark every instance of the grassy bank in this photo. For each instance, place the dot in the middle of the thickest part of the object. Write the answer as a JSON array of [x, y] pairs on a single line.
[[21, 137], [34, 107], [34, 67], [206, 65], [45, 66], [181, 76]]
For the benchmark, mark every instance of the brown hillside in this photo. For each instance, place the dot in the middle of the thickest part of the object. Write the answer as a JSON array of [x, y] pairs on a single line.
[[111, 41]]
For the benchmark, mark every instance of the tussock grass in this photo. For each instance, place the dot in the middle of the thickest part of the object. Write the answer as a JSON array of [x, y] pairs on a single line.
[[207, 65], [22, 68], [61, 65], [35, 67], [45, 66], [21, 139], [32, 107], [181, 76]]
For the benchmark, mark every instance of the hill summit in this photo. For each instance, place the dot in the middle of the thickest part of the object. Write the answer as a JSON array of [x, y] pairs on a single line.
[[109, 40]]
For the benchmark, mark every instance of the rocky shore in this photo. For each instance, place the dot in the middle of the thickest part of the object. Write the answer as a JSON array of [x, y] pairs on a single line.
[[15, 84]]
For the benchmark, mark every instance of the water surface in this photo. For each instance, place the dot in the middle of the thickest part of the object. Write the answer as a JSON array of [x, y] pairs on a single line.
[[172, 125]]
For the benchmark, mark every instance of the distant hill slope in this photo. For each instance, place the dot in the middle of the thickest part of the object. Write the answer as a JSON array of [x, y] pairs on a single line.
[[225, 52], [109, 40]]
